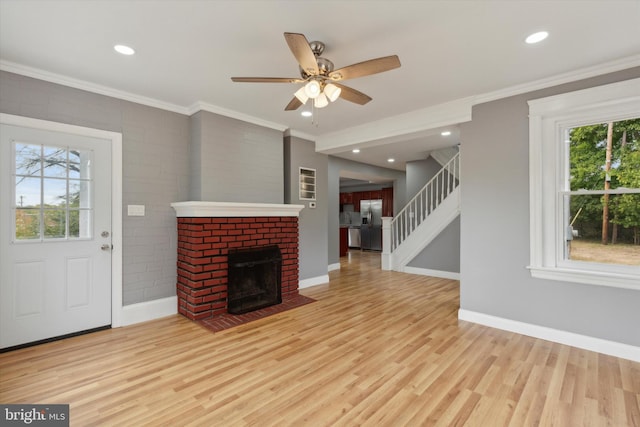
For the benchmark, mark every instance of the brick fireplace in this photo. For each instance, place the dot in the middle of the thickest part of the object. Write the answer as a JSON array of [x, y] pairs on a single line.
[[206, 233]]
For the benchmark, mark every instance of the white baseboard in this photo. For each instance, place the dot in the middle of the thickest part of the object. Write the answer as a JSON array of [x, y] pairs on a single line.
[[149, 310], [319, 280], [335, 266], [435, 273], [612, 348]]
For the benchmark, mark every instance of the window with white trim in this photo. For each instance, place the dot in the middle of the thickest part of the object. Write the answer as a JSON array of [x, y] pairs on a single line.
[[559, 194]]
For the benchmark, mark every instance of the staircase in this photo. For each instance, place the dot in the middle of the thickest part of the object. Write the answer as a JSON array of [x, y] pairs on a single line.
[[443, 156], [423, 218]]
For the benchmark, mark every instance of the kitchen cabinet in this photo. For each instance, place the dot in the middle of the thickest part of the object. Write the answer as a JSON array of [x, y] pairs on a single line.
[[354, 198], [346, 198], [387, 201], [357, 196], [344, 241]]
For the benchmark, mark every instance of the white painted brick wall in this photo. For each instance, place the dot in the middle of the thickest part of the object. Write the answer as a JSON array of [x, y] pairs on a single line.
[[241, 162]]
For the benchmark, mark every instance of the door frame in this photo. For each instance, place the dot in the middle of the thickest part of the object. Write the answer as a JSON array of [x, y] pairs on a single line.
[[115, 139]]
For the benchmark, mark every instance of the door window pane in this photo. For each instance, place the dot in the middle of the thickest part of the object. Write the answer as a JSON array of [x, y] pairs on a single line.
[[54, 162], [27, 224], [27, 192], [52, 192], [55, 192], [28, 159], [55, 223]]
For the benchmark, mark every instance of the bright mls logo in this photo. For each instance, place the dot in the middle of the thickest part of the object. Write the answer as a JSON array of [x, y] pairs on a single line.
[[34, 415]]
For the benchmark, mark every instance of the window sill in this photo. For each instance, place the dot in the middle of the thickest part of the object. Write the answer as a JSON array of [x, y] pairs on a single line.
[[599, 278]]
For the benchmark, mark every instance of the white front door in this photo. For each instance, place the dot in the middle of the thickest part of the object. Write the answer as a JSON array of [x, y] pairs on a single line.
[[55, 234]]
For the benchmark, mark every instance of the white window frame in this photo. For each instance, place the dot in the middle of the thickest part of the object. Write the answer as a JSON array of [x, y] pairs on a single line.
[[549, 118]]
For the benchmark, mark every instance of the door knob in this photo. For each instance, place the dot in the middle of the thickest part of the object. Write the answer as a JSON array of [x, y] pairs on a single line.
[[106, 247]]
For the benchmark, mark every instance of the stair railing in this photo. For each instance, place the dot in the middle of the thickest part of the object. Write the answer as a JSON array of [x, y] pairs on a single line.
[[426, 201]]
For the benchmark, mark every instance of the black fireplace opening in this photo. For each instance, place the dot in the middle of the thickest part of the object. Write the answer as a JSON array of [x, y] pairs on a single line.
[[254, 279]]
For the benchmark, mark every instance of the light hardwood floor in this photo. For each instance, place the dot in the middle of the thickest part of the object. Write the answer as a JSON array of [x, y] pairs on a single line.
[[377, 348]]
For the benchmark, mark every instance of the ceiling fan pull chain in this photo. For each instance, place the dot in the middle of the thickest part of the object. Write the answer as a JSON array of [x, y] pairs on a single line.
[[313, 115]]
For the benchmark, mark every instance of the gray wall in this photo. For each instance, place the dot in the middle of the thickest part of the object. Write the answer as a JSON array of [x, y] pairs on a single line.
[[313, 222], [419, 172], [336, 166], [443, 253], [495, 231], [235, 161], [155, 170]]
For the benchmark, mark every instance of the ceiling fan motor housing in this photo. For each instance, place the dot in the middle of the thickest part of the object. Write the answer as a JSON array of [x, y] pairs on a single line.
[[317, 47], [324, 68]]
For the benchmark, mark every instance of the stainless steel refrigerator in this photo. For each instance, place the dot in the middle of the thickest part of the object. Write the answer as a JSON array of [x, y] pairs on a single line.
[[371, 228]]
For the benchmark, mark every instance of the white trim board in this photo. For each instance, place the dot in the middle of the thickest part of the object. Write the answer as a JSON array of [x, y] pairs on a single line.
[[313, 281], [433, 273], [234, 209], [149, 310], [116, 194], [611, 348], [333, 267]]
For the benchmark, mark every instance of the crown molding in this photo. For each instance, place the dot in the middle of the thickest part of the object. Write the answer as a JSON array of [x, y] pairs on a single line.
[[572, 76], [378, 132], [203, 106], [296, 134], [89, 87]]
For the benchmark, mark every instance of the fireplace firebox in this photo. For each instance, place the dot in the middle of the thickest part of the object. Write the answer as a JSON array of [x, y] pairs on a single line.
[[254, 278]]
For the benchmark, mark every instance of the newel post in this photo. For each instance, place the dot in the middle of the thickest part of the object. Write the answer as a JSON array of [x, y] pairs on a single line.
[[386, 243]]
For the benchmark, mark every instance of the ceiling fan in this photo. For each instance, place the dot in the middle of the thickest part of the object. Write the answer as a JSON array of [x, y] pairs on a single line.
[[319, 76]]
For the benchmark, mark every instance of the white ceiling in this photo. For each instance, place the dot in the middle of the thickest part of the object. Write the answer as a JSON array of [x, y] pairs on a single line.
[[188, 50]]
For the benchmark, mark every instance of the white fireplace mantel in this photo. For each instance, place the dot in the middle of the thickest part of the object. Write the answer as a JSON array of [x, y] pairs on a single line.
[[233, 209]]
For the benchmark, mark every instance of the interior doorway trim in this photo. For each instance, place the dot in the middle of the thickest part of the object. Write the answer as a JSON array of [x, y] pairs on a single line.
[[116, 194]]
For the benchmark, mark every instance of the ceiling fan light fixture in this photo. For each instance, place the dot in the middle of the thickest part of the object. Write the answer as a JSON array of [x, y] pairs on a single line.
[[321, 101], [332, 91], [301, 95], [312, 89]]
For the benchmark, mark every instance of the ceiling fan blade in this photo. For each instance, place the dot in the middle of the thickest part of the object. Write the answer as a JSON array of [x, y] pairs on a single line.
[[302, 51], [267, 79], [353, 95], [294, 104], [361, 69]]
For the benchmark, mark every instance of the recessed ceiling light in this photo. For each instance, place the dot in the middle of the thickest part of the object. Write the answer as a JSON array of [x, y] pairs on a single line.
[[537, 37], [355, 150], [391, 160], [446, 133], [306, 114], [125, 50]]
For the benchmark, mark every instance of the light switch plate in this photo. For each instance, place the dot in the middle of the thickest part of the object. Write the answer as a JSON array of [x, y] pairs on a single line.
[[135, 210]]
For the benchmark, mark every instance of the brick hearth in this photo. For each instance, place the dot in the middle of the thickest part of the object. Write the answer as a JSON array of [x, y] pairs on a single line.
[[205, 238]]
